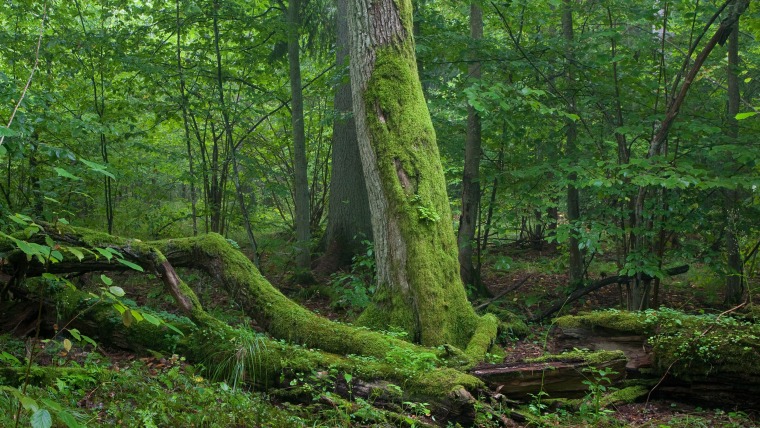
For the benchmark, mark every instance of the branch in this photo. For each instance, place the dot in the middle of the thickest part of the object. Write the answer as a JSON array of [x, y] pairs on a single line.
[[577, 294], [34, 68]]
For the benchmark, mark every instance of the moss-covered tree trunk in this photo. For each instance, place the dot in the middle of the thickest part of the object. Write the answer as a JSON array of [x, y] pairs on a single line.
[[419, 288]]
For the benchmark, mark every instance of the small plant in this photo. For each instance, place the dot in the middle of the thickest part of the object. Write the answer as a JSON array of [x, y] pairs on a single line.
[[354, 289], [592, 409], [425, 213]]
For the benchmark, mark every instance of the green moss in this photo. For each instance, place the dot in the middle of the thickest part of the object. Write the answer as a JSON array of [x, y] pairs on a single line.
[[482, 339], [625, 395], [433, 309], [510, 322], [621, 321], [589, 358]]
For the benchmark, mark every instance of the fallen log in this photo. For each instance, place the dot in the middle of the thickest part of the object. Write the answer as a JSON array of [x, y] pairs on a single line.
[[559, 376], [705, 359], [309, 343]]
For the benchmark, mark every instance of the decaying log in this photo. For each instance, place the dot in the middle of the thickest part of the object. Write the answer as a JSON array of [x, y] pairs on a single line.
[[561, 376], [732, 378]]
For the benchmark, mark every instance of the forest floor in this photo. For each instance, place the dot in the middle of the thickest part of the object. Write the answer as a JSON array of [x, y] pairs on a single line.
[[163, 390], [541, 273]]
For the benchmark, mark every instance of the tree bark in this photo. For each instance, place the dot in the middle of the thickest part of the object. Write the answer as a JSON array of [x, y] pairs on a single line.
[[419, 288], [300, 166], [471, 175], [348, 217], [735, 266], [575, 268]]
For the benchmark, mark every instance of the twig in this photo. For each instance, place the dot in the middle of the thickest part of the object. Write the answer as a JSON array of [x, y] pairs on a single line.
[[34, 68]]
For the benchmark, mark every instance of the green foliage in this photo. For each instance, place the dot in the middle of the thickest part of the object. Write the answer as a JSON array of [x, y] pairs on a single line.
[[591, 409], [354, 289]]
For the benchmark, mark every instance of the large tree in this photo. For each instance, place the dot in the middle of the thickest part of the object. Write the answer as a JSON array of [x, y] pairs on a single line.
[[419, 287], [348, 216]]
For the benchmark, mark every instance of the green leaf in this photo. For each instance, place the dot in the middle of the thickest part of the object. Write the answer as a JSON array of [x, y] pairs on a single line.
[[175, 329], [52, 405], [75, 334], [742, 116], [104, 253], [151, 319], [65, 174], [106, 280], [89, 340], [78, 254], [41, 419], [131, 265], [68, 419], [98, 168], [136, 315], [126, 318], [63, 221], [27, 403], [7, 132], [116, 291]]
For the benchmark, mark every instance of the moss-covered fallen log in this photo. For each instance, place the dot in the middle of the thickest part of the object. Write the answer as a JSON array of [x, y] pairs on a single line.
[[301, 342], [233, 271], [712, 358]]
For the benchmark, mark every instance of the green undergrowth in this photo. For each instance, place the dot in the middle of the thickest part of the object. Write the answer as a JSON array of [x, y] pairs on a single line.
[[148, 392]]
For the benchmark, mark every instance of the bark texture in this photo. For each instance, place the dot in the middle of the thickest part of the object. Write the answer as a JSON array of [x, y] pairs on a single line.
[[348, 218], [419, 287], [735, 265], [300, 166], [471, 174], [575, 268]]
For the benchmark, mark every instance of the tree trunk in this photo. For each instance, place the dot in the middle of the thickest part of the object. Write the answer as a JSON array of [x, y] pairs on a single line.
[[575, 268], [185, 122], [419, 287], [300, 166], [735, 266], [471, 174], [641, 230], [348, 218]]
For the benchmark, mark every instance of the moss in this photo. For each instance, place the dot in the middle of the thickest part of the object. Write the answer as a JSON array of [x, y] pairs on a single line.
[[510, 322], [589, 358], [482, 339], [621, 321], [691, 347], [433, 309], [625, 395]]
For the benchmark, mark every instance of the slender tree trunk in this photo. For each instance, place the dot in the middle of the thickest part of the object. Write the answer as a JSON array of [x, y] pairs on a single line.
[[183, 102], [419, 287], [734, 274], [575, 268], [348, 217], [471, 174], [38, 205], [303, 233], [229, 142]]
